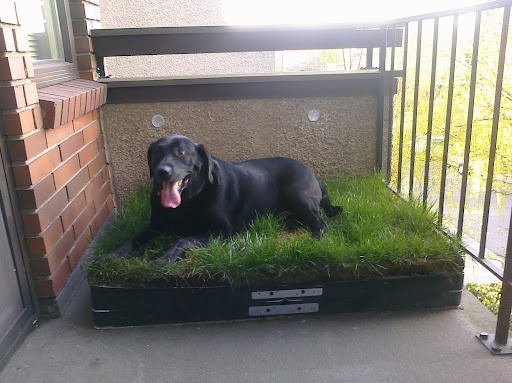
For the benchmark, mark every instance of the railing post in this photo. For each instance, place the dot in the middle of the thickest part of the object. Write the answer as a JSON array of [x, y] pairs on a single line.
[[430, 121], [449, 102], [100, 66], [381, 101], [369, 58], [503, 323], [391, 88], [402, 110], [501, 342], [415, 108], [469, 124], [494, 130]]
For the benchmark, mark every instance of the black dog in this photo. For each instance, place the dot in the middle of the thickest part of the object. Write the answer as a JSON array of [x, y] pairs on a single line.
[[196, 195]]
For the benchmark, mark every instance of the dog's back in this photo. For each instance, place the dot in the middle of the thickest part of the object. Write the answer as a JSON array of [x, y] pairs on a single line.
[[278, 185]]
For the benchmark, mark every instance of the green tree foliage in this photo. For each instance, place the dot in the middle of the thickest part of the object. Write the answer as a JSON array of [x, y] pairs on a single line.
[[481, 123]]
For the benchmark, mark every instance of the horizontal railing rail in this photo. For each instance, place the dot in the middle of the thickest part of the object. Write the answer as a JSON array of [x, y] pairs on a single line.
[[216, 39], [277, 85], [219, 39]]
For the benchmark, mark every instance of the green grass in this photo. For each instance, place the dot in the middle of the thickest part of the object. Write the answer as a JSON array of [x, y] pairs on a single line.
[[378, 234], [489, 294]]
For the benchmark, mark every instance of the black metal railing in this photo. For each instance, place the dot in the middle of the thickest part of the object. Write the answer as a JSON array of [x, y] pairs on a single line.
[[450, 132], [442, 135], [218, 39], [366, 38]]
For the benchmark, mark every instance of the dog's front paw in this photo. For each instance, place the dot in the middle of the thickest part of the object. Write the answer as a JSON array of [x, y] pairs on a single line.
[[123, 250], [172, 254], [180, 247], [319, 231]]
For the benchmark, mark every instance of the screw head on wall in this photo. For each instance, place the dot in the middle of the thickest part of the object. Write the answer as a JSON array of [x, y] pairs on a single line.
[[158, 121], [313, 115]]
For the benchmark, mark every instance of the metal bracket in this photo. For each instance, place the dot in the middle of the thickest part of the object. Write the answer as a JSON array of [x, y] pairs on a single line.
[[302, 308], [496, 349], [292, 293]]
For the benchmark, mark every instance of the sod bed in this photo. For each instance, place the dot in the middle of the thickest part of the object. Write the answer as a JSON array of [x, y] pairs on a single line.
[[378, 234]]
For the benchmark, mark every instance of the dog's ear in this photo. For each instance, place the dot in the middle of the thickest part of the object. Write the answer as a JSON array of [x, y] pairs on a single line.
[[151, 148], [208, 162]]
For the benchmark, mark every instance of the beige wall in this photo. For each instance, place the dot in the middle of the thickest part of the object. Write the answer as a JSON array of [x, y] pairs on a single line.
[[161, 13], [342, 141]]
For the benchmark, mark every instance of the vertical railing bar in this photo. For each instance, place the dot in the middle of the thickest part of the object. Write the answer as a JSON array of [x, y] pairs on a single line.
[[390, 103], [415, 107], [435, 40], [381, 100], [469, 125], [369, 58], [448, 119], [402, 110], [100, 66], [505, 307], [494, 131]]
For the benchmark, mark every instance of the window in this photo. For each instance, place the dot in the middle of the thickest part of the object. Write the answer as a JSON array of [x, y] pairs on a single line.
[[47, 24]]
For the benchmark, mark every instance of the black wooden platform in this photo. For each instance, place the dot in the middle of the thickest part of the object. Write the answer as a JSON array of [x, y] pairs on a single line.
[[116, 307]]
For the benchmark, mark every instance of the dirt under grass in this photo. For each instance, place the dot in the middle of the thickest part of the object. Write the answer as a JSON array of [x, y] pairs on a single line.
[[378, 234]]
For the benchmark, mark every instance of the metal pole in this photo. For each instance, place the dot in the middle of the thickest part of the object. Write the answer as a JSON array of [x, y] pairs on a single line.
[[369, 58], [415, 107], [402, 111], [469, 125], [502, 327], [448, 119], [435, 40], [391, 106], [494, 131], [503, 322], [381, 100], [499, 343]]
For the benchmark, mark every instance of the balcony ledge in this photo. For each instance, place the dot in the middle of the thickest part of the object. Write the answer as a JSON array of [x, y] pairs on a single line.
[[257, 86]]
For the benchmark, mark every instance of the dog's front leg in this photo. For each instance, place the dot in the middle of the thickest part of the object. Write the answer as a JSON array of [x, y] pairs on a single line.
[[123, 250], [182, 245], [133, 243]]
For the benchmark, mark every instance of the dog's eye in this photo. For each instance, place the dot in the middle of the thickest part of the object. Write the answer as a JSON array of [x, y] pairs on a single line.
[[180, 152]]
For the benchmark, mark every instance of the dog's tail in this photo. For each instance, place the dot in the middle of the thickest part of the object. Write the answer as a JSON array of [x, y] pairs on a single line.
[[325, 203]]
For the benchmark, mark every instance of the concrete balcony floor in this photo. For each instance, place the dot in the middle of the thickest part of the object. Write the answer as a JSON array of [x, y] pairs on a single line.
[[412, 346]]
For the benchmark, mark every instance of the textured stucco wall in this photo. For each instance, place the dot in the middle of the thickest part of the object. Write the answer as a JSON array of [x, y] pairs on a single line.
[[342, 141], [176, 13]]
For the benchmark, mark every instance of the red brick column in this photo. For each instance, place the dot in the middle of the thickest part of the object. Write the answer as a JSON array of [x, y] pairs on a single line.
[[18, 94], [86, 16], [58, 162]]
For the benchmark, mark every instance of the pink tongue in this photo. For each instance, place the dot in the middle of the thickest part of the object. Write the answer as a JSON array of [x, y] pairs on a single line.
[[170, 196]]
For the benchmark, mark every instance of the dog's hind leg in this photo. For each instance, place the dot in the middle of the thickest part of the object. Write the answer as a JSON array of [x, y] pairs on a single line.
[[326, 205], [305, 210]]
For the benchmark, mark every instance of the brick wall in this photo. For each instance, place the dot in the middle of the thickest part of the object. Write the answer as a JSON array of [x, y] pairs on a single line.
[[85, 16], [56, 153]]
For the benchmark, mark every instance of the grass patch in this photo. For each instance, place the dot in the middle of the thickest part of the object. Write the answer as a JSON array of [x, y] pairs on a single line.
[[378, 234]]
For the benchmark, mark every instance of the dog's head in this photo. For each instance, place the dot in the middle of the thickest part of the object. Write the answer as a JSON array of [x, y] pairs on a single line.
[[180, 169]]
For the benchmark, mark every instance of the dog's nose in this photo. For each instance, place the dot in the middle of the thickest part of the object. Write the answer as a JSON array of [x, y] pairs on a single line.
[[164, 171]]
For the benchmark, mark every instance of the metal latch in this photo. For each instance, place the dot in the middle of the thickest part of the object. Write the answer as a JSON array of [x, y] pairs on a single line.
[[292, 293], [302, 308]]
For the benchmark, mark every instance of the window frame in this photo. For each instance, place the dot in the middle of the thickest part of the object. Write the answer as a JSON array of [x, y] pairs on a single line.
[[54, 71]]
